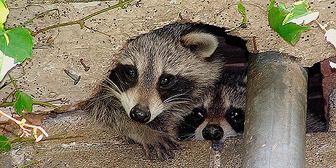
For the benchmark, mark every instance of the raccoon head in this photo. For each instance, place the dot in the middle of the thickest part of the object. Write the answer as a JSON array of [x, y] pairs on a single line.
[[164, 69], [220, 115]]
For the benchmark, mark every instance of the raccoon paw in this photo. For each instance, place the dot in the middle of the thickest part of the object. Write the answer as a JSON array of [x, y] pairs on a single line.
[[160, 147]]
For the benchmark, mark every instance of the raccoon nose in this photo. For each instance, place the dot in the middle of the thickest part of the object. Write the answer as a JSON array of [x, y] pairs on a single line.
[[212, 132], [140, 114]]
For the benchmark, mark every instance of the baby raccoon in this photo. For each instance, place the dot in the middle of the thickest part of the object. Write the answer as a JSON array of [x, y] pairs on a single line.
[[161, 72], [221, 114]]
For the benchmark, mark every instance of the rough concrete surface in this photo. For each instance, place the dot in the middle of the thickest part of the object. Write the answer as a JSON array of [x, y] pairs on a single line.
[[78, 143], [75, 142]]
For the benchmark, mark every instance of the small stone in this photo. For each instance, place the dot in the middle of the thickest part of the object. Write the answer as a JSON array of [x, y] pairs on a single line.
[[52, 94]]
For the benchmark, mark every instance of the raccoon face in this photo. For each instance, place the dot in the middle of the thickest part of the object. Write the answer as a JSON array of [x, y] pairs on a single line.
[[220, 115], [158, 71]]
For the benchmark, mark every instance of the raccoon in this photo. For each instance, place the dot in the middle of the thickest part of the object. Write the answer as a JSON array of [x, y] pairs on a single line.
[[222, 113], [161, 72]]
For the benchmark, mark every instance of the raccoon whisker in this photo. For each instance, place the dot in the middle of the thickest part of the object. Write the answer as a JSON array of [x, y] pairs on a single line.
[[101, 99], [176, 97], [187, 137], [180, 102], [177, 100], [121, 88], [110, 91], [114, 86], [172, 97], [114, 92]]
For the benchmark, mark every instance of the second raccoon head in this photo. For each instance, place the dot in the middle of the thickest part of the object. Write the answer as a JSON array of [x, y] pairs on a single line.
[[158, 71], [219, 115]]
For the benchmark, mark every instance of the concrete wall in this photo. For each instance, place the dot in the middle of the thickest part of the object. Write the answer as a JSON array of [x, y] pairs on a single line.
[[75, 142]]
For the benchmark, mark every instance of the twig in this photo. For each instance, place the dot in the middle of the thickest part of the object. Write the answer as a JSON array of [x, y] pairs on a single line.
[[56, 137], [13, 82], [35, 102], [9, 95], [241, 25], [27, 128], [90, 28], [39, 15], [81, 22], [323, 28]]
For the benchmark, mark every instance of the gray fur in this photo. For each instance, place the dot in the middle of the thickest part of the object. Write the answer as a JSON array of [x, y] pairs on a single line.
[[164, 50]]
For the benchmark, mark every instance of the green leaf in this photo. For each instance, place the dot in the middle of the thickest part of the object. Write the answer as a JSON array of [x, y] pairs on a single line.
[[298, 9], [6, 64], [23, 102], [242, 11], [3, 11], [17, 43], [2, 28], [5, 144], [289, 32]]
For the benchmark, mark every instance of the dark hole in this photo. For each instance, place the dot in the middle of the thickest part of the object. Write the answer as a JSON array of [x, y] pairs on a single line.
[[316, 115], [315, 107]]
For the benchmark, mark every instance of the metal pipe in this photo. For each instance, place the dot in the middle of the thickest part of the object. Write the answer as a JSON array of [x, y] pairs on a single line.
[[274, 135]]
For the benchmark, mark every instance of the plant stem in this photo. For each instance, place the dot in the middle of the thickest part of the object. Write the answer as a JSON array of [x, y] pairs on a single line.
[[13, 82], [81, 22], [320, 26], [6, 104], [35, 102], [44, 104]]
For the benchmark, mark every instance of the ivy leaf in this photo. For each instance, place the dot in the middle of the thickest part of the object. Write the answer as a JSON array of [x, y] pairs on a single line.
[[332, 65], [3, 11], [242, 11], [2, 28], [299, 13], [311, 16], [17, 43], [23, 102], [5, 144], [6, 64], [290, 32], [331, 36]]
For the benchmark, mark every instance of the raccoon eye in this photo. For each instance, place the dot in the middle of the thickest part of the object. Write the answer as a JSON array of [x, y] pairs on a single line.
[[199, 112], [236, 118], [197, 116], [130, 72], [166, 81], [235, 115]]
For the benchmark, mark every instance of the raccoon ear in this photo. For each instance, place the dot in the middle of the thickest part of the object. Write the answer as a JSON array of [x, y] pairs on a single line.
[[202, 44]]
